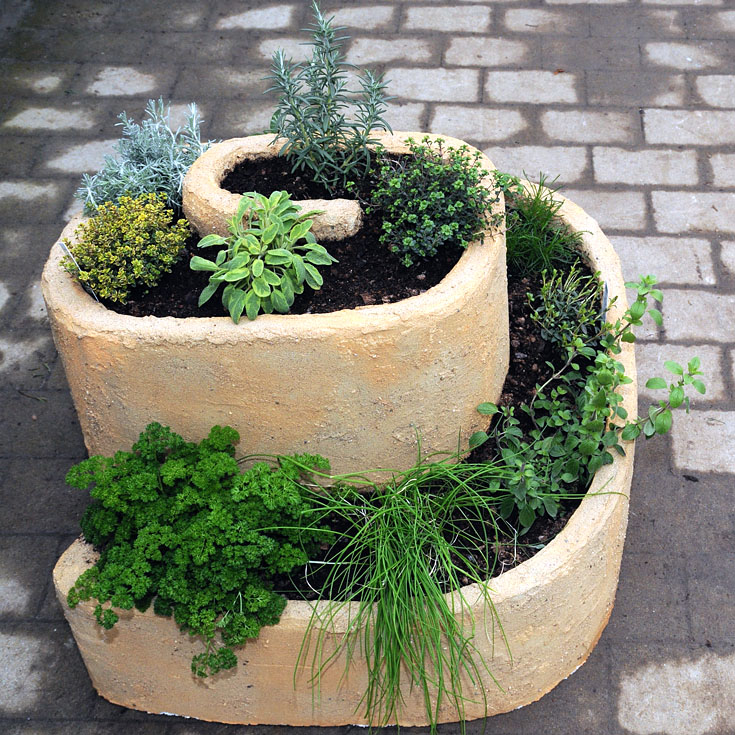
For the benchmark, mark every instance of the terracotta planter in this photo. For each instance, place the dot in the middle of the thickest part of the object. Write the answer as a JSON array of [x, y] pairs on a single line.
[[553, 609], [356, 386]]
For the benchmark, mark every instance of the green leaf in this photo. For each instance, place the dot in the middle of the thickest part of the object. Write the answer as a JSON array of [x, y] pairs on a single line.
[[478, 438], [236, 275], [208, 292], [487, 409], [299, 231], [655, 314], [599, 400], [676, 397], [648, 429], [693, 364], [279, 301], [314, 256], [278, 256], [507, 506], [604, 377], [637, 310], [663, 422], [287, 288], [236, 304], [252, 305], [257, 267], [202, 264], [261, 288], [699, 386], [628, 337], [674, 367], [298, 264], [526, 517], [313, 277], [210, 240], [271, 278], [656, 383], [587, 447], [269, 234], [596, 462]]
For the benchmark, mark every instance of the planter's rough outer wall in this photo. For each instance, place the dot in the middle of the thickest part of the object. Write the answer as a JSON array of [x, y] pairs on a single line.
[[356, 386], [553, 609]]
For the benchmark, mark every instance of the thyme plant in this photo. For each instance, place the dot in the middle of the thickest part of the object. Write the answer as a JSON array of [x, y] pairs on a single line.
[[313, 106], [432, 199], [151, 157], [127, 244]]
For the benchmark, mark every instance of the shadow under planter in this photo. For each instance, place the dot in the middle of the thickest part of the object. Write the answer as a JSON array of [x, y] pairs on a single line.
[[357, 386], [553, 609]]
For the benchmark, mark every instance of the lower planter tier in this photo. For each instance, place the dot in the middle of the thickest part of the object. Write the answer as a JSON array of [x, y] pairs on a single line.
[[553, 609]]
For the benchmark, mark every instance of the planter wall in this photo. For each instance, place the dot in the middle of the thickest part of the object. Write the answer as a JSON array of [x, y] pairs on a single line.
[[356, 386], [553, 609]]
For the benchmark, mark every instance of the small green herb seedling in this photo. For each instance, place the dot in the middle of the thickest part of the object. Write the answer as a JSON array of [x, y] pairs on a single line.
[[270, 254]]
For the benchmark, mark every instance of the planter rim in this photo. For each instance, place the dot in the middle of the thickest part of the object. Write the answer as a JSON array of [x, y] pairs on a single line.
[[448, 292]]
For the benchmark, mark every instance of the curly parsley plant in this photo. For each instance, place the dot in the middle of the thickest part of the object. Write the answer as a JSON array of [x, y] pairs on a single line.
[[179, 526]]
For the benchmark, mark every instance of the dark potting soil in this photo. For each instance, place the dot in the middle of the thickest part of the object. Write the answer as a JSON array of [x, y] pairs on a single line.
[[366, 273]]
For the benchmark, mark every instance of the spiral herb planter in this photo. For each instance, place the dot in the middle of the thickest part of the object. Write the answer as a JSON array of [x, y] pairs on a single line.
[[552, 607]]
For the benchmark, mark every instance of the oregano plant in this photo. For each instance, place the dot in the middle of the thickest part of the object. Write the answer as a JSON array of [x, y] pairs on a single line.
[[577, 420]]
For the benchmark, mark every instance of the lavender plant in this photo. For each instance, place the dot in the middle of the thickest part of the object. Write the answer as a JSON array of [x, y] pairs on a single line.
[[151, 157]]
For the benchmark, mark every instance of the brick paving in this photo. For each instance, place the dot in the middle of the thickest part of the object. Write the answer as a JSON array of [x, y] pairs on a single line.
[[631, 102]]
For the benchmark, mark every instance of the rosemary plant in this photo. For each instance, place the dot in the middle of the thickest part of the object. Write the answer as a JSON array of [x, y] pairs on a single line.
[[312, 110]]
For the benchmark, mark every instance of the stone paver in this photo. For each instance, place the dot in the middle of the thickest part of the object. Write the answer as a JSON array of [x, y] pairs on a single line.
[[630, 102]]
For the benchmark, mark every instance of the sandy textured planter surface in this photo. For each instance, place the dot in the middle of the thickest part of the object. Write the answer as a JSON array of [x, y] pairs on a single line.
[[209, 207], [355, 385], [553, 609]]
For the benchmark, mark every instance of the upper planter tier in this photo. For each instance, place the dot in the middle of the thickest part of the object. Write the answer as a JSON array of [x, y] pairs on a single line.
[[357, 386]]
